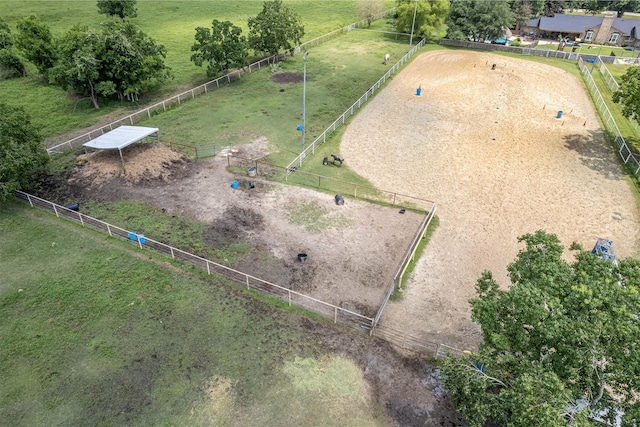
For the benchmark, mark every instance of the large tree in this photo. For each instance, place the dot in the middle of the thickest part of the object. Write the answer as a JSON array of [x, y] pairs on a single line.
[[119, 60], [79, 68], [561, 345], [523, 10], [223, 47], [6, 39], [629, 93], [430, 16], [35, 41], [551, 7], [120, 8], [10, 63], [275, 28], [369, 9], [595, 6], [479, 20], [21, 149]]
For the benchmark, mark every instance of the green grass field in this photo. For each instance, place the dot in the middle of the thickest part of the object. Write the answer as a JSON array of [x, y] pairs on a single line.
[[171, 23], [338, 73], [95, 332]]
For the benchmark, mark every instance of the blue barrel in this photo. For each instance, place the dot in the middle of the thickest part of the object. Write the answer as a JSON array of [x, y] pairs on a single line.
[[418, 91], [559, 116], [234, 184]]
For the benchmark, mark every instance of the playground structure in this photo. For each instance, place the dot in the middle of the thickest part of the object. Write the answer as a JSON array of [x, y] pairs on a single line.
[[604, 249]]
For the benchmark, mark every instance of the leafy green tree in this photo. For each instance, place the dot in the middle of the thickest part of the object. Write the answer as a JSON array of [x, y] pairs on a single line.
[[478, 20], [10, 63], [275, 28], [223, 47], [551, 7], [120, 8], [595, 6], [537, 7], [368, 9], [561, 345], [523, 10], [21, 149], [430, 16], [120, 60], [132, 60], [79, 68], [622, 6], [6, 39], [35, 41], [629, 93]]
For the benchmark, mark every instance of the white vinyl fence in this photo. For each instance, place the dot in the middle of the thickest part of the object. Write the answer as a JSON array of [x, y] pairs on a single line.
[[311, 148], [163, 105], [607, 119], [332, 312]]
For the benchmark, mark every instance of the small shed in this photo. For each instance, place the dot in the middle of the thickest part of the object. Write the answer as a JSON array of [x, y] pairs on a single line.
[[120, 138]]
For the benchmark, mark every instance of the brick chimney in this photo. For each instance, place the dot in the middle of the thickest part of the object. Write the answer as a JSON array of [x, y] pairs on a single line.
[[603, 32]]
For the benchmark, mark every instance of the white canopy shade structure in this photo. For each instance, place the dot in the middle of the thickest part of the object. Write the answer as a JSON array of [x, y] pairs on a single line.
[[120, 138]]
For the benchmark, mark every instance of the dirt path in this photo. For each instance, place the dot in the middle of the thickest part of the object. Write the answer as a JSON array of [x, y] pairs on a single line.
[[488, 147]]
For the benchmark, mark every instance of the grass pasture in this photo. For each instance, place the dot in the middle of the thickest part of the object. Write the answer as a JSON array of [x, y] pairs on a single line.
[[338, 73], [96, 333], [170, 23]]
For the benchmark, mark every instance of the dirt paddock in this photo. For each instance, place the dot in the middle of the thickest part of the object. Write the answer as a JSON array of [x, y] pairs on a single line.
[[488, 146], [353, 249]]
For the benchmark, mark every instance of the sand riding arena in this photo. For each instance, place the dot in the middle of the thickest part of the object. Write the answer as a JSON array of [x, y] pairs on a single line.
[[491, 148]]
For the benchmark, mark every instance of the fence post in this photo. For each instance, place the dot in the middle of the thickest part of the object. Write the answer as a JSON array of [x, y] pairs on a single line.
[[247, 279], [29, 198], [56, 211], [335, 315], [208, 269]]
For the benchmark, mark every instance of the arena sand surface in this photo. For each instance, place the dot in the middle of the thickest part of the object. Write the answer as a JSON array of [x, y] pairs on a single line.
[[488, 147]]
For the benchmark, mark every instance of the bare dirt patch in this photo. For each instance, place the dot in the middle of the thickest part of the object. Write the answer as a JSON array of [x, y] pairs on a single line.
[[288, 77], [352, 250], [488, 147]]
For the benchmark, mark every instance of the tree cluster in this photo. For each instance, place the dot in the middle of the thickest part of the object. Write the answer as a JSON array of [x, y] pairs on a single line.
[[478, 20], [561, 345], [117, 60], [421, 17], [274, 29], [10, 63], [21, 149]]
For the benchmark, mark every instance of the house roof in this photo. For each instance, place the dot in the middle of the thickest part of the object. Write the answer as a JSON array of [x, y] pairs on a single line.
[[563, 23], [627, 26], [569, 23]]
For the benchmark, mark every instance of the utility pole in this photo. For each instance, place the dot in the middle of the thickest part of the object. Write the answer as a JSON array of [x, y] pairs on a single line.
[[415, 8], [304, 102]]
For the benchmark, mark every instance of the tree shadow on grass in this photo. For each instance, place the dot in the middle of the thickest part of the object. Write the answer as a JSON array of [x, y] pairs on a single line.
[[596, 153]]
